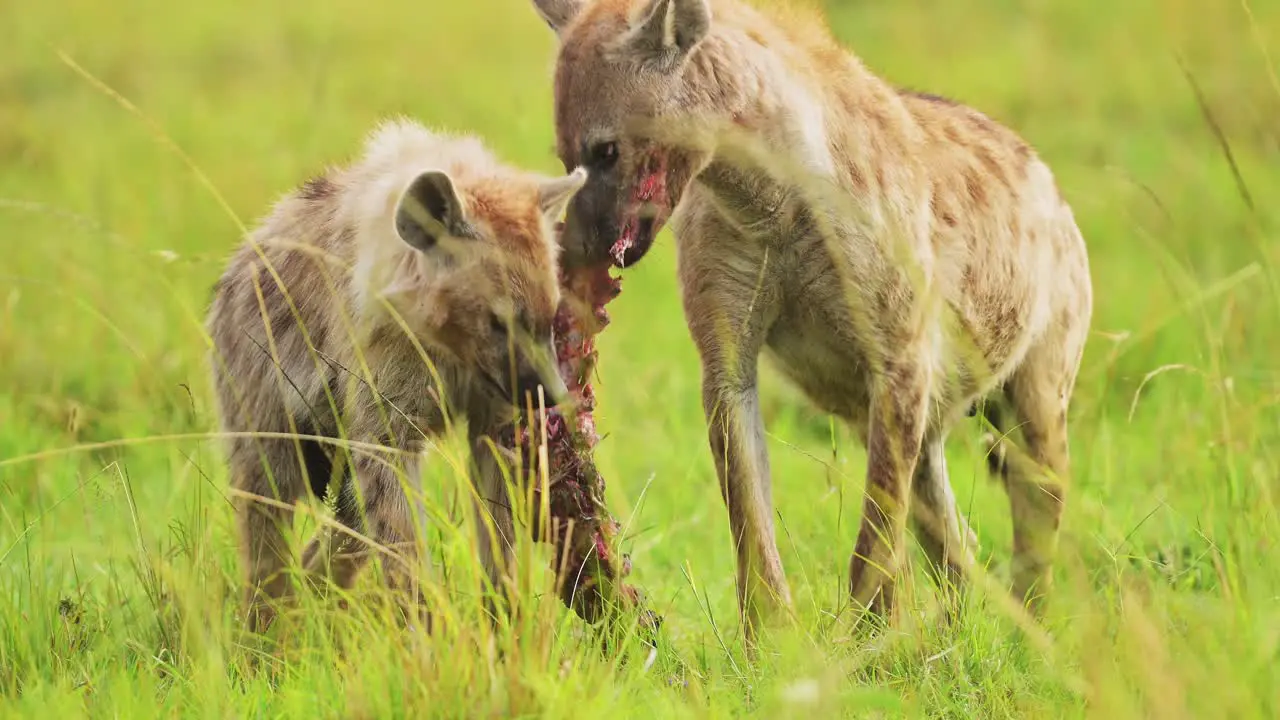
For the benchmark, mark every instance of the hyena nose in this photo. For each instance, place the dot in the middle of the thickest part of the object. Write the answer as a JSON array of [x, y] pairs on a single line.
[[527, 384]]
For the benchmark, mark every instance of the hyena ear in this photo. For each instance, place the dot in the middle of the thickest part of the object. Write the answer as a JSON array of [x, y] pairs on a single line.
[[558, 13], [554, 195], [429, 210], [669, 29]]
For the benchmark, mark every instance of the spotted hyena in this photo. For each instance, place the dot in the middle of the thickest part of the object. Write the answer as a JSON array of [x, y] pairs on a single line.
[[902, 257], [379, 303]]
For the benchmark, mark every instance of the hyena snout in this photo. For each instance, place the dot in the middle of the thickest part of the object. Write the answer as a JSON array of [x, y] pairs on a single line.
[[592, 223], [532, 379], [629, 195], [528, 384], [611, 225]]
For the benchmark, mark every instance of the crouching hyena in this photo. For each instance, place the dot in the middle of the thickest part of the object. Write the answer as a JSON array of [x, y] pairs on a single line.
[[958, 275], [376, 303]]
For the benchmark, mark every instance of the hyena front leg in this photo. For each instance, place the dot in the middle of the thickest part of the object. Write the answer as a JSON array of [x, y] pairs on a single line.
[[894, 436], [736, 434], [725, 312], [380, 503], [495, 524], [944, 535]]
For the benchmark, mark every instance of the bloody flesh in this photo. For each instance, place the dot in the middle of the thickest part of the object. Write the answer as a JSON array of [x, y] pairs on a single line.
[[650, 188], [584, 534]]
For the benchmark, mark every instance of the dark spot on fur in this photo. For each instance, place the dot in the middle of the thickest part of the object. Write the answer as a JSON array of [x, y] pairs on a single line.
[[857, 179], [968, 281], [981, 123], [973, 184], [988, 160], [317, 188], [941, 213], [929, 97]]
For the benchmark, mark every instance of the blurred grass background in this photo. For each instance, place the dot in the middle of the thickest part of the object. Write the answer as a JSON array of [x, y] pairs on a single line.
[[117, 565]]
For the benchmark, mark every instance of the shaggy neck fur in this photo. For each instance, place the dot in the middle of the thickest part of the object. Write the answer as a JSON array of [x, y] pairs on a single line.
[[809, 105]]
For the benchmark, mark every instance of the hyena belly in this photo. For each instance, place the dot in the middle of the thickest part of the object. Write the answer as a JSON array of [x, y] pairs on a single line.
[[786, 277], [814, 345]]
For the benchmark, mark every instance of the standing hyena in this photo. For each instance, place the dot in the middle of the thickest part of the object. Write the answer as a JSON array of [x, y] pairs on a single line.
[[962, 274], [376, 303]]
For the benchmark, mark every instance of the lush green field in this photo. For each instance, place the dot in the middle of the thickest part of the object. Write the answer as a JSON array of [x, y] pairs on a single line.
[[118, 564]]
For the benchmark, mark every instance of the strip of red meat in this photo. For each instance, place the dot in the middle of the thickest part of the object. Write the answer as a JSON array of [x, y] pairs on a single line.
[[582, 531]]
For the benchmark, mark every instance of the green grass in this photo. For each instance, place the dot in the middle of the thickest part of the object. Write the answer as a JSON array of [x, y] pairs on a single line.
[[117, 563]]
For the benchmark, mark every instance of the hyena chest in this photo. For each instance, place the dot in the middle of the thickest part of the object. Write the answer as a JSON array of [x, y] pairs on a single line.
[[813, 344]]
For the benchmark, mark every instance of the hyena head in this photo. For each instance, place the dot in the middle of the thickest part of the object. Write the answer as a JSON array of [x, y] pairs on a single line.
[[482, 286], [621, 73]]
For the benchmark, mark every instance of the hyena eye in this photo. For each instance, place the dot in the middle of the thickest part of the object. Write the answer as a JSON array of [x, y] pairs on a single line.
[[604, 155], [497, 324]]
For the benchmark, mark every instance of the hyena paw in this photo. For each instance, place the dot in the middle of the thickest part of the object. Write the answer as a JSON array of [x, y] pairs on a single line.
[[870, 589]]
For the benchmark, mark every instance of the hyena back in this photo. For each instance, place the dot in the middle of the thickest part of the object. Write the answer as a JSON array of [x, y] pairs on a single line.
[[373, 305], [912, 259]]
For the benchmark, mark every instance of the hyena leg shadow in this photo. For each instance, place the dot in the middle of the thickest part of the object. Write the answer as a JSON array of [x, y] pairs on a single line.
[[280, 471], [379, 502], [945, 537], [1030, 455]]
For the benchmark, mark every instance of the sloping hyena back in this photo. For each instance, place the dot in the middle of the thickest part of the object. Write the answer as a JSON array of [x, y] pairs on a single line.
[[902, 257], [374, 304]]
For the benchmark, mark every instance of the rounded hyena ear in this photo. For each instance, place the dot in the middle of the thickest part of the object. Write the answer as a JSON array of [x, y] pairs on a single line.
[[558, 13], [428, 210], [668, 30], [554, 195]]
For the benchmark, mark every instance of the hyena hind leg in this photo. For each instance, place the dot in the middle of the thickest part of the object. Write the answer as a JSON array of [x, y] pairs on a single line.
[[1029, 452]]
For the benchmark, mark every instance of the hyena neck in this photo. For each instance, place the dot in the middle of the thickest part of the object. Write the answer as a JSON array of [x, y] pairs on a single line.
[[387, 272], [794, 113], [773, 120]]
